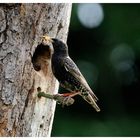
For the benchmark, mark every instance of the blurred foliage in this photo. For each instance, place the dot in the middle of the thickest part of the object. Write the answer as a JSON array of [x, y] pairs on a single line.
[[109, 58]]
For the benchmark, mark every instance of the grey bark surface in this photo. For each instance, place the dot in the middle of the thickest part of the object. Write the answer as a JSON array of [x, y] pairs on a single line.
[[22, 113]]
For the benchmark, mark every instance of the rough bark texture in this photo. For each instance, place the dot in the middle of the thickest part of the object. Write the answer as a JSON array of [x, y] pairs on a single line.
[[22, 113]]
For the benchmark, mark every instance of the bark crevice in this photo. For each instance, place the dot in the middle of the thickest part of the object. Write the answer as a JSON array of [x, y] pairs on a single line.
[[21, 26]]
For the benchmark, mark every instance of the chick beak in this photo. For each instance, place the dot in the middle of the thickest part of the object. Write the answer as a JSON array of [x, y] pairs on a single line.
[[46, 40]]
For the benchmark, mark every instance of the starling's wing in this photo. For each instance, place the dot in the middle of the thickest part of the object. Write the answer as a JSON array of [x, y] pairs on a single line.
[[74, 70]]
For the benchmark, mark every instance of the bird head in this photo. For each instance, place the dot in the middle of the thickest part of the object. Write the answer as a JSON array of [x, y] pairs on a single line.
[[60, 48]]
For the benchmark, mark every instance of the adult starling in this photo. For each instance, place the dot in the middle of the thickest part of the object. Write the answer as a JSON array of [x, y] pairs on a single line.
[[68, 74]]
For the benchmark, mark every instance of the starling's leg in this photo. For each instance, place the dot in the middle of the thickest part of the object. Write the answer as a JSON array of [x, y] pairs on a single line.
[[68, 96]]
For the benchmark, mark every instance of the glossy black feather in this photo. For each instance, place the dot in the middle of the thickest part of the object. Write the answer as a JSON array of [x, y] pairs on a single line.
[[69, 75]]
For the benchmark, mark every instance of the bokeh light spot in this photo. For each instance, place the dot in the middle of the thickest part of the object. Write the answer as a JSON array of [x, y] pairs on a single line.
[[90, 15], [122, 58], [122, 54]]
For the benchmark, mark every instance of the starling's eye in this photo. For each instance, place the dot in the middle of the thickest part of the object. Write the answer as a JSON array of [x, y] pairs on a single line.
[[37, 67]]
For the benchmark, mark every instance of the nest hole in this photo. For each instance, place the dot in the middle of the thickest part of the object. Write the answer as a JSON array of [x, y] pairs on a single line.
[[41, 55]]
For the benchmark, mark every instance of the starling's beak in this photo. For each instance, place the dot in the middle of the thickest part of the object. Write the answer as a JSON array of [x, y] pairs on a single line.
[[46, 40]]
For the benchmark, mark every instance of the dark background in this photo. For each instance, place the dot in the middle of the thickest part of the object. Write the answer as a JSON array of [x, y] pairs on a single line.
[[109, 58]]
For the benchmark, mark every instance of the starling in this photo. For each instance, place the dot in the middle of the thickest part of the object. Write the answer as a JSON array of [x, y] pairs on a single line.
[[68, 74]]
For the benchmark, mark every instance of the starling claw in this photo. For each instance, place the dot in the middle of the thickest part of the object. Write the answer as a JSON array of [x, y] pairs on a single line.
[[63, 100], [67, 98], [67, 101]]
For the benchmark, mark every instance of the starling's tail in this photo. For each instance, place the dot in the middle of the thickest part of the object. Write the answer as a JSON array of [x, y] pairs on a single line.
[[91, 101]]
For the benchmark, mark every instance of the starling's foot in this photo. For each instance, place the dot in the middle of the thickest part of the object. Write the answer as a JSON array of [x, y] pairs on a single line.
[[63, 100], [67, 101]]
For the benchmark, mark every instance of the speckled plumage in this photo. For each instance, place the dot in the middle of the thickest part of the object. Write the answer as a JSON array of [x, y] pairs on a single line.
[[68, 74]]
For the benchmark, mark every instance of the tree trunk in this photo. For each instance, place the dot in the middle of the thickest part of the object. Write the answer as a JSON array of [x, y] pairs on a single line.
[[22, 113]]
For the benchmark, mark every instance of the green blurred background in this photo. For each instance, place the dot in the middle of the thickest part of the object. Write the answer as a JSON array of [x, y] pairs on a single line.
[[104, 41]]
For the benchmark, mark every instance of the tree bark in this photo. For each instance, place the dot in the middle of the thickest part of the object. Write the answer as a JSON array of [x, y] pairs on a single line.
[[22, 113]]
